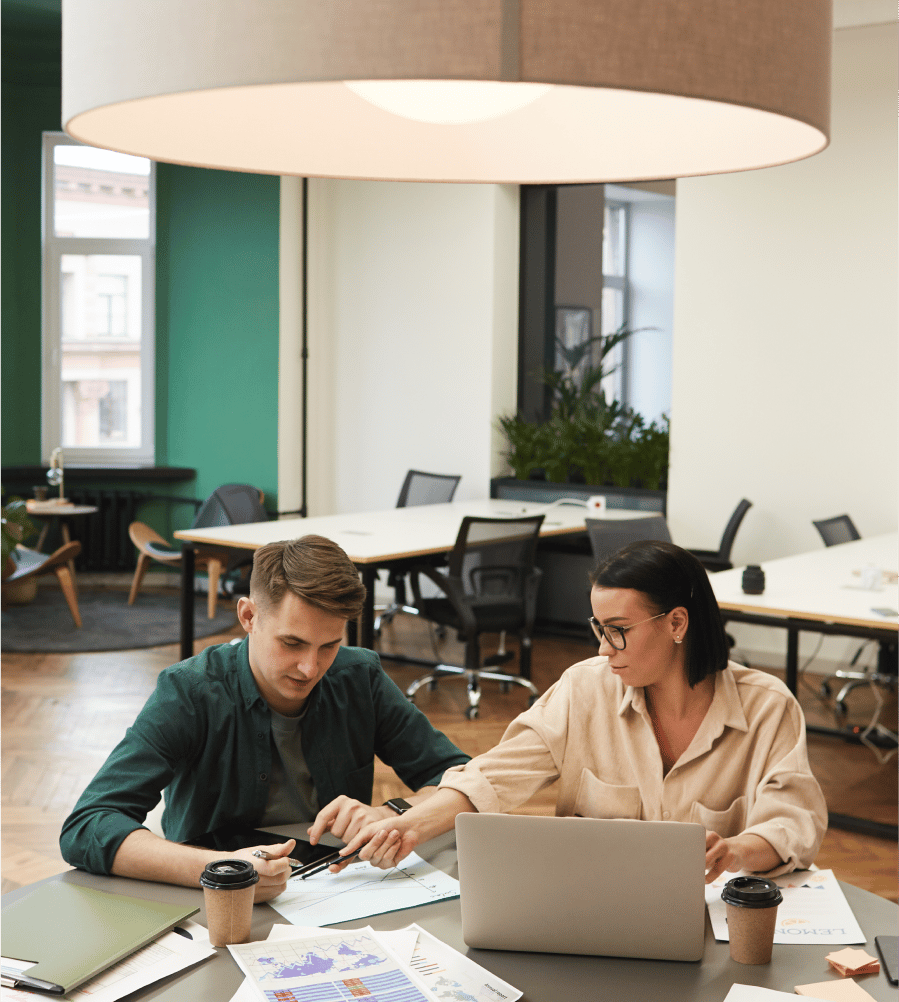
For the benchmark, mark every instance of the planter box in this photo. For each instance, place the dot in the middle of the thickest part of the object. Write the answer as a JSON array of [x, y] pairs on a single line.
[[563, 603], [628, 498]]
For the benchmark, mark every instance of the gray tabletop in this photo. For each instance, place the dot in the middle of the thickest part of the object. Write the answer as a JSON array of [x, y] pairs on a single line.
[[542, 977]]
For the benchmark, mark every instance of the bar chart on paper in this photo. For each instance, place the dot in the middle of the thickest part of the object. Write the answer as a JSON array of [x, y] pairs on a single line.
[[327, 968], [361, 890]]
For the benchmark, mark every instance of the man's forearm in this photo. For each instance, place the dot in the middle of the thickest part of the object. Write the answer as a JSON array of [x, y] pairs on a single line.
[[146, 856]]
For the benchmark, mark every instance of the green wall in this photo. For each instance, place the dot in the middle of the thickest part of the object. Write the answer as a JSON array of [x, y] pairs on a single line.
[[217, 326], [216, 291]]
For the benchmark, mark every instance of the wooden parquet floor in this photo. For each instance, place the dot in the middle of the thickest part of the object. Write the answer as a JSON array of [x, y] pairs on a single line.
[[62, 714]]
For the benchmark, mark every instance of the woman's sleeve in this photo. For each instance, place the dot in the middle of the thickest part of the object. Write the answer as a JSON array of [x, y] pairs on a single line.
[[789, 810], [527, 759]]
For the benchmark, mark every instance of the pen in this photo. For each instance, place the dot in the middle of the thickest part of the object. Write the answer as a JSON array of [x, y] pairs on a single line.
[[323, 864], [262, 854], [14, 979]]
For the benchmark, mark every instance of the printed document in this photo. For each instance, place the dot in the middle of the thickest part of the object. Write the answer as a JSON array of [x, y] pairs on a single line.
[[328, 965], [814, 909], [362, 890]]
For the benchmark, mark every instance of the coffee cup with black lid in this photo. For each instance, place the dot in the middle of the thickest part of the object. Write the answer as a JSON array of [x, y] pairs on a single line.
[[751, 918], [228, 890]]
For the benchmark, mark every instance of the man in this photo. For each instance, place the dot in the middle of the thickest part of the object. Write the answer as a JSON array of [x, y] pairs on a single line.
[[281, 728]]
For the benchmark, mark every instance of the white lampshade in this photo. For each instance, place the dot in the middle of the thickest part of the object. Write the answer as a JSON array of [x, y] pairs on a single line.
[[430, 90]]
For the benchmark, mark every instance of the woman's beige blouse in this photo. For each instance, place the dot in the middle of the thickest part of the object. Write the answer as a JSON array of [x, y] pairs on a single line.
[[746, 769]]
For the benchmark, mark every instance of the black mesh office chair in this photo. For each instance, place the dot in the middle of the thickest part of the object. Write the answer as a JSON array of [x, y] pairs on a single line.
[[418, 488], [608, 537], [836, 530], [230, 504], [719, 560], [490, 586]]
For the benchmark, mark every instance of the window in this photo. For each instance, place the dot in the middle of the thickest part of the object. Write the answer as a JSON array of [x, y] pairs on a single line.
[[614, 294], [98, 282]]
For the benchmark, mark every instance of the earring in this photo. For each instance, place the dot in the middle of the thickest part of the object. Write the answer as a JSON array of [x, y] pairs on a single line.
[[678, 640]]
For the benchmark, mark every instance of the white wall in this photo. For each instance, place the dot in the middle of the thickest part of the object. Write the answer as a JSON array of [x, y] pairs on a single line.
[[651, 281], [785, 346], [413, 336]]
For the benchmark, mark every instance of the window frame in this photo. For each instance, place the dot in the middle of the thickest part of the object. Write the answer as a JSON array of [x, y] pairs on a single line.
[[52, 250]]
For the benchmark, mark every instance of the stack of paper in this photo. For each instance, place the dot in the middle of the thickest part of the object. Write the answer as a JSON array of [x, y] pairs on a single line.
[[851, 962], [330, 965]]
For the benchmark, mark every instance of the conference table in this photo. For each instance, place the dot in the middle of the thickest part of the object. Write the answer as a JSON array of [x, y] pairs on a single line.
[[374, 540], [823, 592], [541, 977]]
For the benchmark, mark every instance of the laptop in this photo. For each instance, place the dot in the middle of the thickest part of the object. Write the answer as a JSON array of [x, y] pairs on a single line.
[[616, 888]]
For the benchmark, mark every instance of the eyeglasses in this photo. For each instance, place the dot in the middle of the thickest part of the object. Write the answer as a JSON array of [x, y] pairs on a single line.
[[615, 635]]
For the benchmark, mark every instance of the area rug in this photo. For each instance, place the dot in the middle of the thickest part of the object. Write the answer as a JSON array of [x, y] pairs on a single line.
[[109, 623]]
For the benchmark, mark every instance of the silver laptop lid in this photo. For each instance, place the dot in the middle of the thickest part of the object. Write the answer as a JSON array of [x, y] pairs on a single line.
[[617, 888]]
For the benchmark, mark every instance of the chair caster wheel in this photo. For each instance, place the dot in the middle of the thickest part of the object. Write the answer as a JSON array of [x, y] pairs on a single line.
[[825, 688], [471, 712], [504, 686], [432, 686]]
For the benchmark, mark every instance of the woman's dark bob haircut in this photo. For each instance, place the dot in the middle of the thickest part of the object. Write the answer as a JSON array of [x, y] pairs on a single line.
[[670, 577]]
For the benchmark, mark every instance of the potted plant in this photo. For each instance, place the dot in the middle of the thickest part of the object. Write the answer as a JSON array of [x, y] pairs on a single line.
[[15, 525], [587, 438]]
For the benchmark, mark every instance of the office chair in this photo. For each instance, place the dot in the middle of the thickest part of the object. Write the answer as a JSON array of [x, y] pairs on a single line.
[[418, 488], [836, 530], [490, 586], [608, 537], [719, 560], [230, 504]]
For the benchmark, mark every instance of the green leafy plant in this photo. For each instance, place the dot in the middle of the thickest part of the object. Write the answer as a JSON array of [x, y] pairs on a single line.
[[16, 526], [586, 434]]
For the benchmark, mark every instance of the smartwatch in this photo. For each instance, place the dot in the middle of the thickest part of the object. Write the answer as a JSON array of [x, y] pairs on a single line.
[[398, 804]]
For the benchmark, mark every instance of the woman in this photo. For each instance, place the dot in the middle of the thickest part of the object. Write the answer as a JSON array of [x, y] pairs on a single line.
[[659, 726]]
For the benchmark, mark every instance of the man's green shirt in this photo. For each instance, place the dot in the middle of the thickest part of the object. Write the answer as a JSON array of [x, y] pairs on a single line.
[[204, 736]]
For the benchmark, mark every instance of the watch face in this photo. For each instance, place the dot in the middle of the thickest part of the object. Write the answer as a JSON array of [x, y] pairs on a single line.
[[399, 805]]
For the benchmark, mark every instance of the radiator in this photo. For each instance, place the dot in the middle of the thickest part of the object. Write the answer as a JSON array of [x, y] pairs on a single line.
[[105, 544]]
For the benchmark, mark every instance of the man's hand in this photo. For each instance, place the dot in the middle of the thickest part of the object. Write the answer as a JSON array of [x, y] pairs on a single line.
[[344, 818], [273, 872], [741, 852]]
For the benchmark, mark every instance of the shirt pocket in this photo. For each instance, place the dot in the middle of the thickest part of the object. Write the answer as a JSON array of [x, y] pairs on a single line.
[[596, 799], [725, 823]]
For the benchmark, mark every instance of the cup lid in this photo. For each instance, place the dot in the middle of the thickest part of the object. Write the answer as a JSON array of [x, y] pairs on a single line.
[[229, 874], [751, 892]]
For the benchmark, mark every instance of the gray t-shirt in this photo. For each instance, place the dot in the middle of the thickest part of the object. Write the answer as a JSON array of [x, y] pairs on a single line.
[[291, 797]]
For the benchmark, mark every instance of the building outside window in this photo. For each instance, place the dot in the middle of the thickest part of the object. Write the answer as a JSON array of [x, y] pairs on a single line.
[[98, 335]]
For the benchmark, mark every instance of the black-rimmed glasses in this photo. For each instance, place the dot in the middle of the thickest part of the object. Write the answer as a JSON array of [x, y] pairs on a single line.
[[614, 636]]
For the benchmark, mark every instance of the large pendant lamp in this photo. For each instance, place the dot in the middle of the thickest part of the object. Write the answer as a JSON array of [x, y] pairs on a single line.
[[524, 91]]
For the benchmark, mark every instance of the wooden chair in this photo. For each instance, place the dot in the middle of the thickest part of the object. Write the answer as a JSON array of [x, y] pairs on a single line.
[[30, 565], [232, 504]]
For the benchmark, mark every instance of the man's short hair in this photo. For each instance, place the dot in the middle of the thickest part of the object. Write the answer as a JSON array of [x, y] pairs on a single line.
[[312, 567]]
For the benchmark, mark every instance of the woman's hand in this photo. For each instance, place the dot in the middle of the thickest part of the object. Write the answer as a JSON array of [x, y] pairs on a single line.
[[741, 852], [345, 818]]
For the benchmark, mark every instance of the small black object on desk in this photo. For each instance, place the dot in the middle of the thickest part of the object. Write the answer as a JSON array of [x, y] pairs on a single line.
[[753, 580]]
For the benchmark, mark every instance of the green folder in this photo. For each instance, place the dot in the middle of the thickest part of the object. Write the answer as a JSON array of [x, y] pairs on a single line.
[[73, 932]]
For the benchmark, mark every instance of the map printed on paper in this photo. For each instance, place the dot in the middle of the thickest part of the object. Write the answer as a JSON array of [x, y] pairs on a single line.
[[814, 909], [362, 890], [331, 967]]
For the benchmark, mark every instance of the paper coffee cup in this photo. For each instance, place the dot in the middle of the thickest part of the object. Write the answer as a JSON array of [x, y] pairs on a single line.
[[751, 917], [228, 888]]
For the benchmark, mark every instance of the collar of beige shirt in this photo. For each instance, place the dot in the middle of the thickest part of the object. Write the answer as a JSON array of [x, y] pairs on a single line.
[[726, 711]]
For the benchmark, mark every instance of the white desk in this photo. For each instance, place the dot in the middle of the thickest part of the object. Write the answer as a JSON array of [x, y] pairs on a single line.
[[819, 592], [375, 539]]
